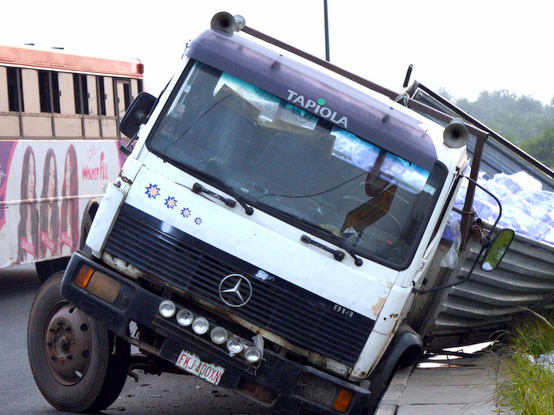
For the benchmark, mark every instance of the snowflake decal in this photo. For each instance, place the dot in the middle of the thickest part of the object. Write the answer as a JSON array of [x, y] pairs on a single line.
[[198, 221], [170, 202], [185, 212], [152, 191]]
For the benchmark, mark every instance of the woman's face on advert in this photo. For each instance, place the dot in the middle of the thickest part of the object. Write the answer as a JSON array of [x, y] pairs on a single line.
[[51, 178]]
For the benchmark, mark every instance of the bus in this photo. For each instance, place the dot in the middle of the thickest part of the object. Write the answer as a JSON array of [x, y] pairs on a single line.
[[59, 147]]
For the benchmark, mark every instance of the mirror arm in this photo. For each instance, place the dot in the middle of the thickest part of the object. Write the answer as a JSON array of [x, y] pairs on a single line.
[[496, 200], [442, 287], [128, 148], [484, 244], [470, 193]]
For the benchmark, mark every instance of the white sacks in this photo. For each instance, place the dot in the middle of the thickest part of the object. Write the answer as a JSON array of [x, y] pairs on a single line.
[[526, 208]]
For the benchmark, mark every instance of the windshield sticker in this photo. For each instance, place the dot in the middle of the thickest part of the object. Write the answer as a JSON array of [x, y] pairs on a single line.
[[364, 155], [318, 107], [262, 100]]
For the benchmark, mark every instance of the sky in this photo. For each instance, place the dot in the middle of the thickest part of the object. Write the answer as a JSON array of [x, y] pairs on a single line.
[[464, 47]]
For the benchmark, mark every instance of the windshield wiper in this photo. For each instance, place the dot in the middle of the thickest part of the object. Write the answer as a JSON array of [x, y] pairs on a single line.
[[312, 226], [338, 255], [340, 242], [247, 208], [198, 188]]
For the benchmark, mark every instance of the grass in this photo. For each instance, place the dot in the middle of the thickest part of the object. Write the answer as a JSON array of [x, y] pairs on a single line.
[[527, 388]]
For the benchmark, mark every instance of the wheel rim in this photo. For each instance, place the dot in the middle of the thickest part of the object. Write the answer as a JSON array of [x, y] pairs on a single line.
[[67, 344]]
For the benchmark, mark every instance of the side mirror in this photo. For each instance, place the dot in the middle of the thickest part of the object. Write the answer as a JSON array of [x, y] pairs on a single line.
[[497, 249], [137, 114]]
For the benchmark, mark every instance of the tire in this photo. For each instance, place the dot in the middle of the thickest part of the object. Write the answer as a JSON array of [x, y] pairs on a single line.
[[377, 389], [86, 223], [78, 365]]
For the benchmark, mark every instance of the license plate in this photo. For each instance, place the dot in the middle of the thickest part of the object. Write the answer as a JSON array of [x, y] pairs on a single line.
[[192, 364]]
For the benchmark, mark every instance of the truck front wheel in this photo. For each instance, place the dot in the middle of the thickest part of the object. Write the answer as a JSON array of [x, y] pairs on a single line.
[[77, 364]]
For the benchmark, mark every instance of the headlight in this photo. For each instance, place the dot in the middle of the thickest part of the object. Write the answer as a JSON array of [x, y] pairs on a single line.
[[200, 325], [219, 335], [252, 354], [167, 308], [235, 345], [185, 318]]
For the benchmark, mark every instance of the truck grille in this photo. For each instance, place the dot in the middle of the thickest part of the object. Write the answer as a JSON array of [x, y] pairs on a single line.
[[295, 314]]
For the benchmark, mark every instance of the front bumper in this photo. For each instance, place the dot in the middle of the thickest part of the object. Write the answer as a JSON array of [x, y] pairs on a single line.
[[276, 382]]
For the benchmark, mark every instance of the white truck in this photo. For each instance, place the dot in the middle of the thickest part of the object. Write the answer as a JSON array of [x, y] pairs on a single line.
[[270, 233]]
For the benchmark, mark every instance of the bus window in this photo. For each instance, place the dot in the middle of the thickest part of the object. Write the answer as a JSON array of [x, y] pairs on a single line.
[[67, 102], [91, 96], [110, 98], [3, 90], [80, 91], [15, 90], [101, 94], [29, 80], [123, 98], [127, 94], [49, 92], [135, 89], [44, 91]]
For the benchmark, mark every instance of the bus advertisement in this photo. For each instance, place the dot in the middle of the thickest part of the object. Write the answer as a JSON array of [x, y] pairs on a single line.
[[45, 187]]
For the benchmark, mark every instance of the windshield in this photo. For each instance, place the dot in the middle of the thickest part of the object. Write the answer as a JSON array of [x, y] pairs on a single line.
[[292, 164]]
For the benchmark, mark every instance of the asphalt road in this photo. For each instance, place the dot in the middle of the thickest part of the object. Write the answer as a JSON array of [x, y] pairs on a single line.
[[152, 395]]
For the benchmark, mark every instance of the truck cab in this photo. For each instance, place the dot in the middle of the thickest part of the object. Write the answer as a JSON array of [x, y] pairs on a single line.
[[268, 229]]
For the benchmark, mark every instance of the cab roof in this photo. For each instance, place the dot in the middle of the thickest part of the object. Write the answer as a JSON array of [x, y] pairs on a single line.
[[317, 93]]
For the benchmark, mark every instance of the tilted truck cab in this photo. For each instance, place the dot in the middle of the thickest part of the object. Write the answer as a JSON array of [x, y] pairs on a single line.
[[266, 232]]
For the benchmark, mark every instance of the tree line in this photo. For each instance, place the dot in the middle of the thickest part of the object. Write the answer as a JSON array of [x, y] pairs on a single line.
[[523, 120]]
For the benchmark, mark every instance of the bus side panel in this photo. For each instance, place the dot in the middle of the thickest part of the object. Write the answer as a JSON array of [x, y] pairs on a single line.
[[46, 187], [6, 152]]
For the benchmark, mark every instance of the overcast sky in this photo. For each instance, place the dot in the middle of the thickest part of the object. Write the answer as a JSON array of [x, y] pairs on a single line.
[[463, 46]]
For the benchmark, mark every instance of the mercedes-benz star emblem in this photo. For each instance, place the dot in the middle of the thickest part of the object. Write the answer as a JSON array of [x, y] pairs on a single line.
[[235, 290]]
